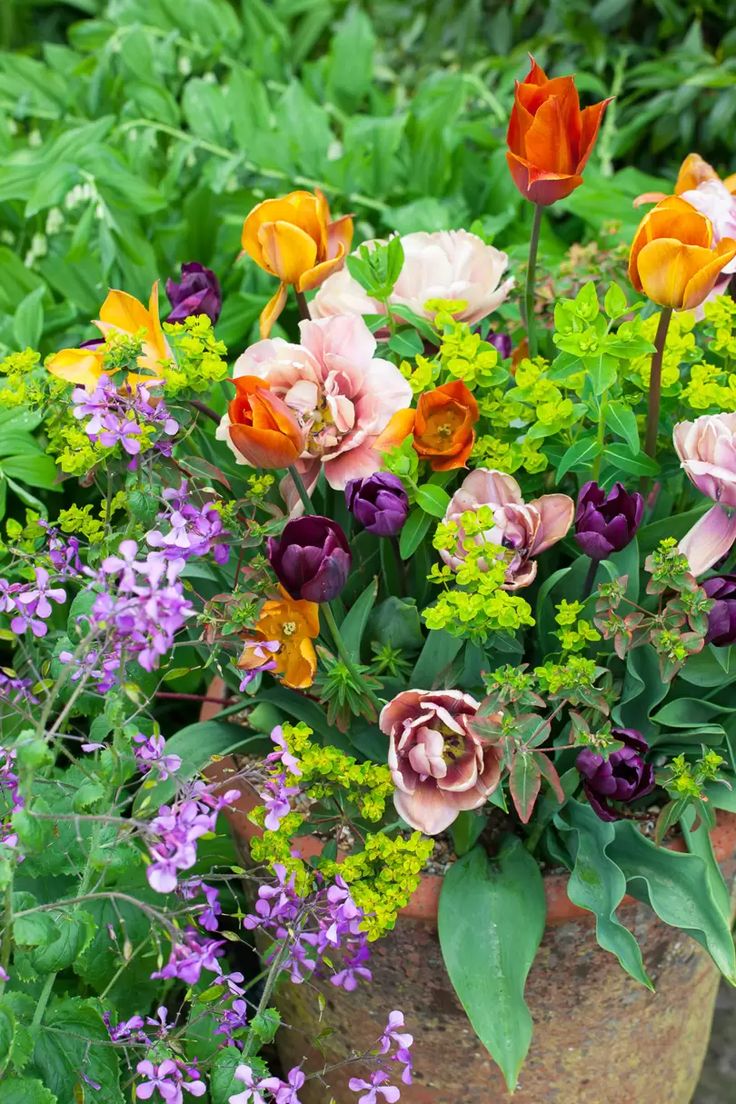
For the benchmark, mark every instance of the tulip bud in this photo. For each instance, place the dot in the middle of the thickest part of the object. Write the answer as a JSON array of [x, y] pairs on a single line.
[[311, 558], [379, 502], [623, 776], [606, 523], [197, 293], [501, 343], [722, 615]]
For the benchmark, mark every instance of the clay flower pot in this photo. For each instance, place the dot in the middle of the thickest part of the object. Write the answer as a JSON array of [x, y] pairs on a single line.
[[600, 1038]]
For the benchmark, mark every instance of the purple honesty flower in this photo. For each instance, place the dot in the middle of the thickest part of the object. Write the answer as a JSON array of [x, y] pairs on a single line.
[[252, 1093], [606, 523], [379, 502], [282, 755], [125, 1029], [124, 415], [377, 1087], [258, 649], [191, 530], [232, 1019], [501, 343], [4, 975], [63, 553], [623, 776], [276, 797], [10, 796], [393, 1038], [311, 558], [31, 603], [197, 293], [168, 1079], [172, 840], [150, 755], [16, 690], [722, 614], [207, 918], [190, 956]]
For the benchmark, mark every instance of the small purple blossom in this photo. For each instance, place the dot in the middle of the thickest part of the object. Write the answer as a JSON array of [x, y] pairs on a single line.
[[276, 797], [16, 690], [168, 1079], [393, 1038], [124, 415], [377, 1086], [126, 1029], [198, 292], [232, 1019], [208, 917], [174, 831], [150, 755], [190, 956], [263, 650], [192, 530], [31, 602], [10, 796], [501, 343], [282, 755]]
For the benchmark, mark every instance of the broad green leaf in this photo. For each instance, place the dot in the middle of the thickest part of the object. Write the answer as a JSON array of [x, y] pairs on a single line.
[[15, 442], [440, 648], [356, 619], [465, 830], [395, 622], [621, 458], [73, 933], [678, 888], [77, 1042], [37, 471], [699, 843], [642, 690], [7, 1033], [621, 420], [597, 884], [433, 500], [415, 530], [406, 343], [525, 780], [25, 1090], [28, 321], [579, 456], [491, 922]]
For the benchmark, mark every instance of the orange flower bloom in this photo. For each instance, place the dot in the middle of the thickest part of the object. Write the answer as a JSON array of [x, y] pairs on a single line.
[[694, 171], [442, 425], [293, 625], [673, 259], [549, 138], [124, 314], [294, 239], [261, 426]]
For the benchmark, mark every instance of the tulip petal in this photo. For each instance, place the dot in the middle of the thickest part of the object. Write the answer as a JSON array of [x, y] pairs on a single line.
[[397, 430], [649, 197], [709, 539], [272, 310], [549, 143], [313, 277], [673, 218], [556, 513], [428, 809], [591, 118], [125, 312], [263, 448], [667, 266], [81, 366], [702, 283], [300, 208], [694, 171], [288, 251]]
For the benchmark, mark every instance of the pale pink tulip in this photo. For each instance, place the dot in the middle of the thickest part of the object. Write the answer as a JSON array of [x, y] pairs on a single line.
[[438, 764], [707, 452], [446, 264], [343, 395], [525, 528]]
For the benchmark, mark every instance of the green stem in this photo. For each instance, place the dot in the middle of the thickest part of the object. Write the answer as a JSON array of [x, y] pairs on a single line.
[[268, 988], [600, 438], [345, 656], [655, 383], [43, 1000], [303, 492], [531, 331], [303, 305], [7, 931], [589, 580]]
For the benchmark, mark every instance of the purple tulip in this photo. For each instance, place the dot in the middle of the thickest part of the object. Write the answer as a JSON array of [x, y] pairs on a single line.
[[379, 502], [623, 776], [501, 343], [606, 523], [198, 293], [722, 615], [311, 558]]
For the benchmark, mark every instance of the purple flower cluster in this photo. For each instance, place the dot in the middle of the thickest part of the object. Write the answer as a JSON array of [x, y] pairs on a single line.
[[150, 755], [140, 608], [63, 553], [16, 690], [175, 831], [30, 603], [279, 1092], [10, 796], [276, 794], [308, 930], [211, 910], [190, 956], [124, 415], [168, 1079], [263, 650], [192, 530]]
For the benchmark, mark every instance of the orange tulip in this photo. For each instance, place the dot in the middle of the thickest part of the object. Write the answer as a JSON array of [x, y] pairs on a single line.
[[673, 259], [294, 239], [694, 171], [549, 138], [293, 625], [262, 427], [442, 425], [119, 314]]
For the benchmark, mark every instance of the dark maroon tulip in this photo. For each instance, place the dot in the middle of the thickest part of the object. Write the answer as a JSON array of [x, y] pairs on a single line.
[[501, 343], [311, 558], [722, 615], [624, 776], [606, 523], [198, 293], [379, 502]]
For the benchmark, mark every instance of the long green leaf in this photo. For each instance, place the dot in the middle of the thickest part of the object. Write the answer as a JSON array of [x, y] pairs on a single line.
[[356, 619], [491, 921], [597, 884], [678, 888]]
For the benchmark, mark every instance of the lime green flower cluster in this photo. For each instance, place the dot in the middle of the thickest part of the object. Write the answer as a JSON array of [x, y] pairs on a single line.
[[710, 388], [385, 871], [575, 633], [464, 355], [68, 443], [688, 779], [199, 357], [720, 314], [22, 386], [474, 603], [571, 678], [680, 348], [121, 351]]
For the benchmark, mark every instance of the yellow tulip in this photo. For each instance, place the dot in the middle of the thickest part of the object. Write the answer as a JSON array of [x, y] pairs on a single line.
[[121, 313], [673, 260], [294, 239]]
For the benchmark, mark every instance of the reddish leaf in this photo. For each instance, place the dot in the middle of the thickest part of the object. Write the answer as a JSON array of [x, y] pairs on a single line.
[[525, 780], [549, 770]]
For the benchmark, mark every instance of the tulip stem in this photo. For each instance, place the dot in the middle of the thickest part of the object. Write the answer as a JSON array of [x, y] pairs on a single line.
[[531, 331], [206, 410], [655, 383], [302, 490], [589, 579], [301, 302]]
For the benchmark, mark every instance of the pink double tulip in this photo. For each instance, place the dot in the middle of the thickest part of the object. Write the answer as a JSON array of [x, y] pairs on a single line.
[[438, 764], [707, 452]]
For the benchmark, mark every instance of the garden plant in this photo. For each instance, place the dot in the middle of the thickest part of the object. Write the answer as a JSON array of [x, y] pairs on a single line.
[[382, 554]]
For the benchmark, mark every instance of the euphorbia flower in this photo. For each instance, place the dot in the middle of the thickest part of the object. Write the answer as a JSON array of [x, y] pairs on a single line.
[[525, 528], [439, 765], [119, 314], [293, 625], [707, 452], [549, 138], [673, 259], [442, 426], [294, 238], [261, 427], [341, 393]]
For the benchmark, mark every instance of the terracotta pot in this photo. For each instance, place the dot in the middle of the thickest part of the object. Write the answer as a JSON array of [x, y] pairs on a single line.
[[600, 1038]]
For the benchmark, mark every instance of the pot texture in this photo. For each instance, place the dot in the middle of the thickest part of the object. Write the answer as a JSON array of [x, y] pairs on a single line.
[[599, 1037]]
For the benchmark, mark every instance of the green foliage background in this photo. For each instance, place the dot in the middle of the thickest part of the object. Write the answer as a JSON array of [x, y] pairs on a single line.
[[135, 134]]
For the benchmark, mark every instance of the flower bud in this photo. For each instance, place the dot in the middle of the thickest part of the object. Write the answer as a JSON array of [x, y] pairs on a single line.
[[311, 558], [197, 293], [606, 523], [722, 615], [379, 502], [623, 776]]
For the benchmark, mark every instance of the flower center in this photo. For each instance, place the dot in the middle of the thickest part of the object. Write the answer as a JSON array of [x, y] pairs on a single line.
[[454, 745], [288, 628]]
